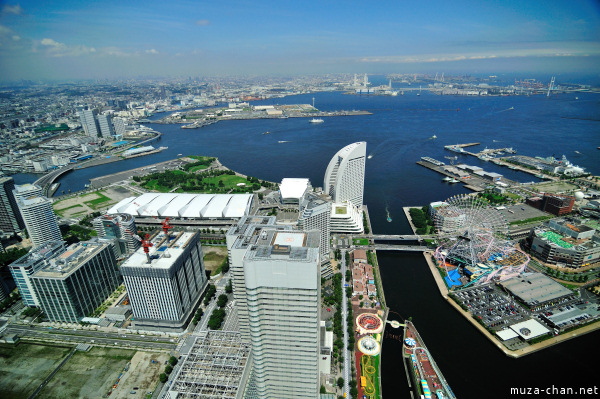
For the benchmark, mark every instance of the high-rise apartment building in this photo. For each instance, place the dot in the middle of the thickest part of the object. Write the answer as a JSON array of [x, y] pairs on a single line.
[[105, 125], [73, 284], [282, 282], [88, 121], [39, 219], [28, 190], [345, 174], [119, 126], [23, 268], [10, 218], [120, 227], [165, 285]]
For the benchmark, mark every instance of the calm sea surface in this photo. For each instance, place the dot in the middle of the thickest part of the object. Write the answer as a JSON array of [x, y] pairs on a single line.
[[397, 134]]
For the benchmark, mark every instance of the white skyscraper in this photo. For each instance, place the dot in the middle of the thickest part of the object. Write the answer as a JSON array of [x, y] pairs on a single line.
[[345, 175], [315, 213], [39, 219], [283, 285], [120, 227], [26, 191], [88, 121], [105, 124]]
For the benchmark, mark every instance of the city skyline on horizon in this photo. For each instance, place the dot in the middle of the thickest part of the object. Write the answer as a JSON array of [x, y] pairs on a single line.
[[73, 40]]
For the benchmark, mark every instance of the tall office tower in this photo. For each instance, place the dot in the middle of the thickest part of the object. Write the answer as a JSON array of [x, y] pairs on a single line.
[[345, 175], [73, 284], [27, 190], [119, 126], [88, 121], [105, 125], [120, 227], [239, 238], [10, 217], [23, 268], [166, 284], [315, 213], [283, 289], [39, 219]]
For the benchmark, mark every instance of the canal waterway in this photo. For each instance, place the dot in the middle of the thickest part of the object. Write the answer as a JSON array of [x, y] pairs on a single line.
[[398, 133]]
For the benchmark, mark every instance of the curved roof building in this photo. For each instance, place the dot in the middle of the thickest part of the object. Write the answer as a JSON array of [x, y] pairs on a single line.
[[200, 206], [345, 175]]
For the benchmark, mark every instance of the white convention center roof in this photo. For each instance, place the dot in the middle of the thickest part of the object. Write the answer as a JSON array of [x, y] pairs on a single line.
[[186, 205], [293, 188]]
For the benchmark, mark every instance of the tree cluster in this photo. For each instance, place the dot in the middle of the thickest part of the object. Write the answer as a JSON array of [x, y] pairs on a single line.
[[210, 293]]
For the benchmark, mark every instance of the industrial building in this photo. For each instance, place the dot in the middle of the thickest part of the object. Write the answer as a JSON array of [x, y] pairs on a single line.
[[536, 290], [23, 268], [186, 206], [217, 367], [166, 283], [555, 204], [283, 284], [345, 175], [565, 242], [73, 284]]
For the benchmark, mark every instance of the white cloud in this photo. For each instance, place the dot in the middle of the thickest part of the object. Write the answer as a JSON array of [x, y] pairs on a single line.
[[203, 22], [152, 51], [51, 42], [4, 30], [58, 49], [16, 38], [8, 9]]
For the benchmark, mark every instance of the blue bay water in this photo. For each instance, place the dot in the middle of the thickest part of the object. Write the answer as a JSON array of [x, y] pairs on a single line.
[[397, 134]]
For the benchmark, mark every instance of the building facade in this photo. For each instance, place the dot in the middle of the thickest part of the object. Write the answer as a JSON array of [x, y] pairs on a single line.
[[73, 284], [119, 126], [105, 126], [10, 218], [239, 238], [315, 213], [23, 268], [120, 227], [39, 219], [88, 122], [345, 174], [283, 284], [165, 286]]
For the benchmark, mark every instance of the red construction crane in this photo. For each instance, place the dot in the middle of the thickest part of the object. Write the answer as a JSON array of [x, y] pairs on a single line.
[[166, 226], [146, 244]]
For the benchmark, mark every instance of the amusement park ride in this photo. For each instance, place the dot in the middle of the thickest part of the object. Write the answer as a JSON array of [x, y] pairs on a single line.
[[472, 237]]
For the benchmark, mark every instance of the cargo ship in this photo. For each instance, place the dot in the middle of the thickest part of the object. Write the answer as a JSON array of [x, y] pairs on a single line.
[[427, 379]]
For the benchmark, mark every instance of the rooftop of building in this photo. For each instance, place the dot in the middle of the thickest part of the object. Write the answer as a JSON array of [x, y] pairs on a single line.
[[293, 187], [214, 367], [246, 221], [259, 235], [44, 251], [163, 251], [27, 187], [287, 244], [535, 288], [34, 200], [66, 263], [119, 217]]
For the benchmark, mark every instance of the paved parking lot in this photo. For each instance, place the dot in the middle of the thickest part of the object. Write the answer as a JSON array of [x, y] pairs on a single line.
[[513, 213]]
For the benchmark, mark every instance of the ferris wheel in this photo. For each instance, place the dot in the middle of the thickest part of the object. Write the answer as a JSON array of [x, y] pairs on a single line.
[[472, 234]]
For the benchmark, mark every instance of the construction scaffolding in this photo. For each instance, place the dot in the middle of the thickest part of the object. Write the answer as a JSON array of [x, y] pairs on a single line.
[[217, 367]]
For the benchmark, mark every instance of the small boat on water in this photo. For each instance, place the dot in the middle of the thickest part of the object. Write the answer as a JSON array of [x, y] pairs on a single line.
[[453, 181], [446, 178], [283, 141], [389, 218], [267, 132], [316, 120]]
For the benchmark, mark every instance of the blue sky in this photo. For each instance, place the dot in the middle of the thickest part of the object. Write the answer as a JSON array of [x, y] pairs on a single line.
[[112, 39]]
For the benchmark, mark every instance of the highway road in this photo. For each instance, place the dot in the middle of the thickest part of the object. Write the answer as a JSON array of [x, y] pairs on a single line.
[[346, 352]]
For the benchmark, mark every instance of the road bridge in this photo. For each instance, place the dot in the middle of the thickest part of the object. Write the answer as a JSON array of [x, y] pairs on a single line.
[[46, 181], [404, 248], [395, 237]]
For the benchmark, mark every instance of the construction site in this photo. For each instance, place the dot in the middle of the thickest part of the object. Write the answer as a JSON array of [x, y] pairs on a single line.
[[215, 368]]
